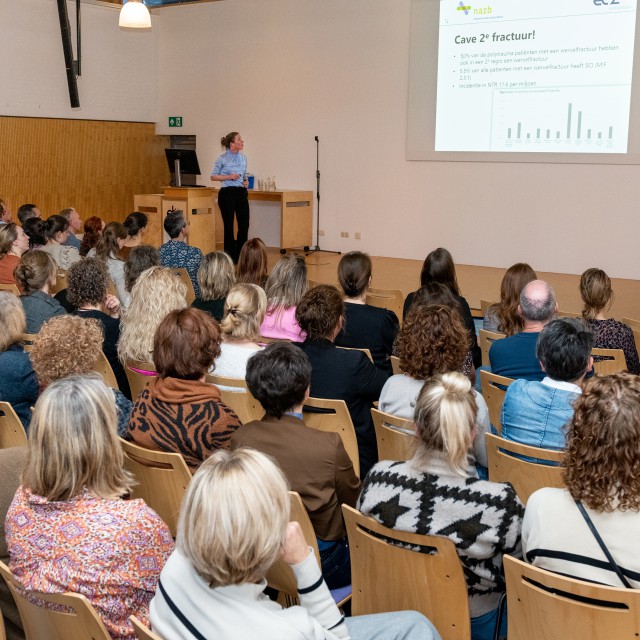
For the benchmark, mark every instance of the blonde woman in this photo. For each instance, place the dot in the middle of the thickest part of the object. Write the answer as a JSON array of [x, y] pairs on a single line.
[[108, 250], [216, 276], [108, 549], [156, 292], [285, 287], [434, 494], [243, 313], [214, 582]]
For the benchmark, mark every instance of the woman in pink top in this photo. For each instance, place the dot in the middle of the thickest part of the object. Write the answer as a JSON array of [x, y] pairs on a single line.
[[285, 287]]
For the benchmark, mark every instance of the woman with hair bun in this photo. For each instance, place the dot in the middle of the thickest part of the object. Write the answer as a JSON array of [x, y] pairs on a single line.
[[135, 224], [57, 232], [434, 494], [365, 327], [35, 229], [35, 275], [93, 227], [108, 250]]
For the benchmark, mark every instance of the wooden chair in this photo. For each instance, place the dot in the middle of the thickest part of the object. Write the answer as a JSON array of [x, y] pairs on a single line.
[[314, 283], [79, 621], [395, 436], [27, 340], [494, 388], [635, 327], [182, 273], [484, 305], [333, 416], [568, 314], [245, 406], [111, 288], [61, 282], [11, 288], [3, 633], [138, 381], [103, 367], [142, 632], [365, 351], [281, 577], [267, 340], [391, 299], [395, 365], [12, 433], [614, 362], [486, 339], [162, 480], [526, 476], [386, 577], [548, 605]]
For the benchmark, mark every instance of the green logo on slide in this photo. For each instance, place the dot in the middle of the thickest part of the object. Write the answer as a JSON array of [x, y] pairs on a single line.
[[463, 7]]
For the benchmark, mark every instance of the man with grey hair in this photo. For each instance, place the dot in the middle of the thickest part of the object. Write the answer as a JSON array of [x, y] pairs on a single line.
[[75, 224], [515, 356]]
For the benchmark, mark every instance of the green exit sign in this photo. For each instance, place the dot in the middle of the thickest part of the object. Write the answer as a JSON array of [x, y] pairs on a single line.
[[175, 121]]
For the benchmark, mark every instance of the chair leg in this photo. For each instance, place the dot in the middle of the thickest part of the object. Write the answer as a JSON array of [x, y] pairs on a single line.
[[501, 607]]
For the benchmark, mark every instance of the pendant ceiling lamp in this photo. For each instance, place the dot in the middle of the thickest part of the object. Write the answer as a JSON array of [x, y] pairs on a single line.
[[135, 15]]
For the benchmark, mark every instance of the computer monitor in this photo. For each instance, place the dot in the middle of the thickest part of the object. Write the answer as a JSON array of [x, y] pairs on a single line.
[[182, 162]]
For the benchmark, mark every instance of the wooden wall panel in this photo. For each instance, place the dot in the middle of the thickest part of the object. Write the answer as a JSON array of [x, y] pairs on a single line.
[[95, 166]]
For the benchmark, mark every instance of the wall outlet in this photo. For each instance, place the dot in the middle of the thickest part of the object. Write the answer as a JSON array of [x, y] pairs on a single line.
[[344, 234], [358, 235], [321, 232]]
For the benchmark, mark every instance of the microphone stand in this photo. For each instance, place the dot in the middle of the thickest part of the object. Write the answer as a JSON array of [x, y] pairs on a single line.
[[317, 249]]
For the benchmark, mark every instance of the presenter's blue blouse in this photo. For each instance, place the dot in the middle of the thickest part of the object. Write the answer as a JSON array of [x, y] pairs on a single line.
[[229, 163]]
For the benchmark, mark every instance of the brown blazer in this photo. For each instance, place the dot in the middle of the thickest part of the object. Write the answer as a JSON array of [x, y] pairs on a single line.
[[315, 463]]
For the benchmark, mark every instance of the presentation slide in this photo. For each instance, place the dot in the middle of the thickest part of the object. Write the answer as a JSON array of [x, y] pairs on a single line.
[[544, 76]]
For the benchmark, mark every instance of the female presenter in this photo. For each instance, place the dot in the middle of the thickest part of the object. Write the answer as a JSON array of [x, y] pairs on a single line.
[[231, 169]]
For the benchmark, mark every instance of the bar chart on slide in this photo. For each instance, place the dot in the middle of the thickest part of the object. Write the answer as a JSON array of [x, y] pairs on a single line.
[[561, 119]]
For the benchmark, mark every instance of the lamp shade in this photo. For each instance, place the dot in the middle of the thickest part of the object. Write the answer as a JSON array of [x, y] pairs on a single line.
[[135, 15]]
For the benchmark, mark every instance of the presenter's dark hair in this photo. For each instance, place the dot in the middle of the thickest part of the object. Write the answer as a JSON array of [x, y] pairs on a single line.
[[228, 139], [25, 212], [278, 377], [438, 267], [174, 223], [354, 273], [564, 348], [135, 222], [319, 311], [55, 224]]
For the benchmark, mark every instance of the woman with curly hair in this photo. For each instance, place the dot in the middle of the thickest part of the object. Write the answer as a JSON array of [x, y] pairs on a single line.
[[108, 250], [503, 316], [68, 346], [601, 461], [433, 340], [93, 227], [252, 263]]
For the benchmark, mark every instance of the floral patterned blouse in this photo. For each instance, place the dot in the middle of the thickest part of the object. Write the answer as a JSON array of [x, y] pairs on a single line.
[[110, 551], [611, 334]]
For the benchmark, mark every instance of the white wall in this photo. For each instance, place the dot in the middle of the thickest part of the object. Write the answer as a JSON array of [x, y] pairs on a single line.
[[119, 73]]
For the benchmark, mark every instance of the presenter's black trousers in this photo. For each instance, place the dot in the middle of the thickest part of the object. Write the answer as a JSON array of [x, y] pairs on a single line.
[[234, 200]]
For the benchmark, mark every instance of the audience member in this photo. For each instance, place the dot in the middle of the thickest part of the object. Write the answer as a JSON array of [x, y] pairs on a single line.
[[433, 494], [340, 373], [214, 582], [314, 462], [35, 275], [75, 224], [176, 253], [597, 295], [18, 385], [601, 476], [35, 229], [56, 232], [535, 412], [26, 211], [108, 250], [178, 411], [432, 340], [216, 277], [285, 287], [93, 227], [13, 243], [503, 317], [252, 263], [156, 292], [136, 225], [6, 216], [515, 356], [87, 291], [108, 549], [439, 267], [365, 327], [140, 258], [69, 346]]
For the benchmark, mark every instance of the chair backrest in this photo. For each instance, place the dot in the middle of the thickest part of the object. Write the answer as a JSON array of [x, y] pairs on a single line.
[[314, 283], [333, 416], [11, 288], [484, 305], [392, 299], [494, 388], [526, 476], [614, 361], [635, 327], [245, 406], [386, 577], [162, 480], [78, 621], [61, 282], [103, 367], [568, 314], [395, 436], [547, 605], [142, 631], [365, 351], [268, 340], [12, 433], [182, 273], [138, 381], [486, 339], [27, 341], [395, 365], [3, 633]]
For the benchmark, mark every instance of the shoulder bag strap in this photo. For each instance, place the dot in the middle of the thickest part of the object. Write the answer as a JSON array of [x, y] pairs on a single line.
[[176, 611], [603, 546]]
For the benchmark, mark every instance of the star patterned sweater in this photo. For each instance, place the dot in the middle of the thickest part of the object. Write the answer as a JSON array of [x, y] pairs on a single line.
[[425, 496]]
